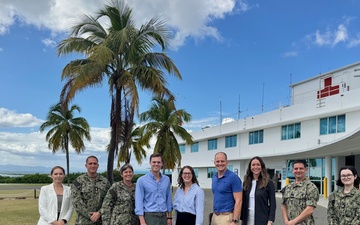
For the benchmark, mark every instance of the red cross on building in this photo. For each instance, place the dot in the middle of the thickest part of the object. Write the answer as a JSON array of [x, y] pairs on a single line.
[[328, 89]]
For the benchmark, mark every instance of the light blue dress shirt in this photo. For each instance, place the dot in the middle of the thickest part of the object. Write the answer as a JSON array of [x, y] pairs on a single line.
[[152, 195], [191, 202]]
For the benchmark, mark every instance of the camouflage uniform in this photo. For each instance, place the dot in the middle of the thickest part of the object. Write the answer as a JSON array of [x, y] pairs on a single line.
[[344, 209], [87, 195], [296, 197], [118, 206]]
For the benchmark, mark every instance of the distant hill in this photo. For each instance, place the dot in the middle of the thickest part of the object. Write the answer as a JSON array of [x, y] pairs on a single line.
[[16, 169]]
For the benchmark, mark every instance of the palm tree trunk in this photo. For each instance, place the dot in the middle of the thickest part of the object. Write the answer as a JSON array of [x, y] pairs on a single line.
[[111, 156], [115, 123], [67, 159]]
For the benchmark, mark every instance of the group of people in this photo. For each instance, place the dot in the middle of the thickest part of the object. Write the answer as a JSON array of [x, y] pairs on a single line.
[[252, 201], [149, 202], [123, 203], [255, 197]]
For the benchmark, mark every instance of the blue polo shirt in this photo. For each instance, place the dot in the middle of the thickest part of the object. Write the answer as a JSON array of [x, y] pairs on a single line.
[[223, 190]]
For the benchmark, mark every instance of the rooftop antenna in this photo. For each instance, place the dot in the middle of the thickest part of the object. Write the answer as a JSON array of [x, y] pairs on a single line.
[[239, 112], [262, 103], [220, 112], [290, 89]]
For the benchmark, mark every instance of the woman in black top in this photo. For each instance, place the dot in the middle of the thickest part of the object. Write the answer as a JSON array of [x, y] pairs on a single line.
[[259, 202]]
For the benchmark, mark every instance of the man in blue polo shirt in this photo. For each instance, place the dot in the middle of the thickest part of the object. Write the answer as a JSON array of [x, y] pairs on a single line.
[[227, 190], [153, 202]]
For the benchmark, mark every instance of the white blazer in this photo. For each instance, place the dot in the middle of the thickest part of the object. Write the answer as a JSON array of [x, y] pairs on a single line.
[[48, 205]]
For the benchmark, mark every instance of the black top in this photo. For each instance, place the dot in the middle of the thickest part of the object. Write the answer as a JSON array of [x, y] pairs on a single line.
[[265, 204]]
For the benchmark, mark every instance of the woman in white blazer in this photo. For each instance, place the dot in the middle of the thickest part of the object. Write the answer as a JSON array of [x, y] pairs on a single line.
[[55, 204]]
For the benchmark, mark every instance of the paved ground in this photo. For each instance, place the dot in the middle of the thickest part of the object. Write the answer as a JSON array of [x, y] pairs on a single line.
[[319, 214], [19, 187]]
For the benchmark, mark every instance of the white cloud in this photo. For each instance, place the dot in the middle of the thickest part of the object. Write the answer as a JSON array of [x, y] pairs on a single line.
[[354, 42], [341, 34], [227, 120], [323, 38], [7, 17], [49, 43], [10, 118], [187, 18], [201, 123], [291, 54], [330, 37], [32, 149]]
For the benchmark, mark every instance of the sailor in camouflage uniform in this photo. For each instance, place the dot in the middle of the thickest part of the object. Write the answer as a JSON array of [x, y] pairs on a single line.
[[300, 198], [344, 204], [119, 203], [88, 191]]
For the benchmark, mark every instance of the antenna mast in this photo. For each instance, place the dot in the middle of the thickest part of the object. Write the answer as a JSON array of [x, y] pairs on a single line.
[[220, 112], [262, 104], [239, 112]]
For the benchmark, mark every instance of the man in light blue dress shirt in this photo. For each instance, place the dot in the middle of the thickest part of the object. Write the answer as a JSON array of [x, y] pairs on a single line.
[[153, 202]]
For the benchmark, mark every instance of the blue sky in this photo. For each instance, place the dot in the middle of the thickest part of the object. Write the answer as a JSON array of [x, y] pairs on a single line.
[[226, 50]]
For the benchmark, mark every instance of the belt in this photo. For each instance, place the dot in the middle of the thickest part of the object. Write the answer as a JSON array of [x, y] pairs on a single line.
[[222, 213], [158, 214]]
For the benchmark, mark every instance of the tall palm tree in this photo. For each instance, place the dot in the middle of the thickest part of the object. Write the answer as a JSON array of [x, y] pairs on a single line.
[[164, 121], [121, 54], [65, 129]]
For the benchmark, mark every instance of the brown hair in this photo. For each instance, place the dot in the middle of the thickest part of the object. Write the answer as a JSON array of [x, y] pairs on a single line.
[[156, 155], [57, 167], [125, 166], [220, 153], [92, 156], [354, 173], [180, 180], [263, 179]]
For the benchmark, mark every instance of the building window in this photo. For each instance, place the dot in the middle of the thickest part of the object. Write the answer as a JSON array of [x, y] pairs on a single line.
[[182, 149], [256, 137], [291, 131], [230, 141], [212, 144], [196, 171], [211, 171], [195, 147], [333, 124]]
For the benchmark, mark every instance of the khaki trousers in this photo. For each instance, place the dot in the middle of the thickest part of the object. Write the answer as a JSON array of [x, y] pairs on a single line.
[[222, 219]]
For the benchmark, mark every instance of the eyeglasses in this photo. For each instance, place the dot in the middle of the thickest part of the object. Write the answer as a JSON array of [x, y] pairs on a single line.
[[187, 174], [346, 175]]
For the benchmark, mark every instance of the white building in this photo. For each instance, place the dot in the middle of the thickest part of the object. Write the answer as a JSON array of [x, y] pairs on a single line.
[[322, 124]]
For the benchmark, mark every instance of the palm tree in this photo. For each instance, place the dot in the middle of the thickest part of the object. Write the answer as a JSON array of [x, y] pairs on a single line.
[[164, 121], [131, 139], [65, 129], [122, 55]]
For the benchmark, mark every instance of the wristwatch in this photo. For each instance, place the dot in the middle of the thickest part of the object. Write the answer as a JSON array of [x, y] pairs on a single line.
[[235, 220]]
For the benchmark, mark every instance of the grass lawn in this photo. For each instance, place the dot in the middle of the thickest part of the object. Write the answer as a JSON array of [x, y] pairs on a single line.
[[20, 211]]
